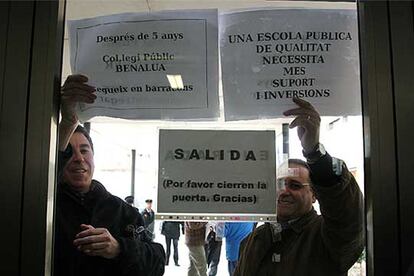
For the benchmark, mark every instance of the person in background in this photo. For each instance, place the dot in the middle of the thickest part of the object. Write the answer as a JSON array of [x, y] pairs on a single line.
[[213, 246], [195, 233], [303, 242], [96, 233], [130, 200], [235, 232], [149, 217], [171, 231]]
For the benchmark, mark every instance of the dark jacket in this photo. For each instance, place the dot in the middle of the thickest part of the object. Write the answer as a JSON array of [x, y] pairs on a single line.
[[101, 209], [314, 245], [171, 229]]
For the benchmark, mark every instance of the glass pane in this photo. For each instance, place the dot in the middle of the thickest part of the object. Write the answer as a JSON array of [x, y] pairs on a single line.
[[117, 142]]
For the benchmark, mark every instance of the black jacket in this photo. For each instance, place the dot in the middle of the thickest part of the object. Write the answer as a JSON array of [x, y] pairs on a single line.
[[139, 256], [171, 229]]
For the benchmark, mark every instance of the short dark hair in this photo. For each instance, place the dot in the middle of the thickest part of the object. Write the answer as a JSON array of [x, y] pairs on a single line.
[[299, 162], [302, 163], [148, 201], [85, 133]]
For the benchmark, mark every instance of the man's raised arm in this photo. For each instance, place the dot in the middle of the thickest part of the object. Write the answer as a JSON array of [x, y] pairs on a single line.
[[341, 201]]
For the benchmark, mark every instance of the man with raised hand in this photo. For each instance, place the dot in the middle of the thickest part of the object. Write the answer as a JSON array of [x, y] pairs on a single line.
[[303, 242], [96, 233]]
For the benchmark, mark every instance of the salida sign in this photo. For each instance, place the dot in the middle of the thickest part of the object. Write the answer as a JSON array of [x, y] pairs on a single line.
[[204, 172], [208, 154]]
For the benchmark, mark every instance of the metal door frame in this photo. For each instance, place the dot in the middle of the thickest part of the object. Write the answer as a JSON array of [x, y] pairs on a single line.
[[30, 66]]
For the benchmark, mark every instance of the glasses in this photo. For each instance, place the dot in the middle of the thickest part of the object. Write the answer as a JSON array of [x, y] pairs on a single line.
[[292, 185]]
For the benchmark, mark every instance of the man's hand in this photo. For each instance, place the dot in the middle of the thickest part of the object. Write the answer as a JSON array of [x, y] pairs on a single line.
[[75, 90], [307, 120], [97, 242]]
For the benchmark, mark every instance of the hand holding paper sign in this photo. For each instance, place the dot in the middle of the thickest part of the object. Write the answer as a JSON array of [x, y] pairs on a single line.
[[74, 90], [307, 120]]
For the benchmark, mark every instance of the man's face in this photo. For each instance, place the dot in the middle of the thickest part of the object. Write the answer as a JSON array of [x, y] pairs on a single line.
[[294, 203], [78, 171], [149, 205]]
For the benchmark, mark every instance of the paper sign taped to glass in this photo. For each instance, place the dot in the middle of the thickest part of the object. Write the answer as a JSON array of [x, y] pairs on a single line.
[[216, 175], [270, 56], [158, 65]]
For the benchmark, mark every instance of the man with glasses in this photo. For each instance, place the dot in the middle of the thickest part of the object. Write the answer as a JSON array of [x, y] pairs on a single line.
[[303, 242]]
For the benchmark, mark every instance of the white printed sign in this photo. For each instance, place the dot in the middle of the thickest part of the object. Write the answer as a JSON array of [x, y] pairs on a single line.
[[216, 175], [270, 56], [160, 65]]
